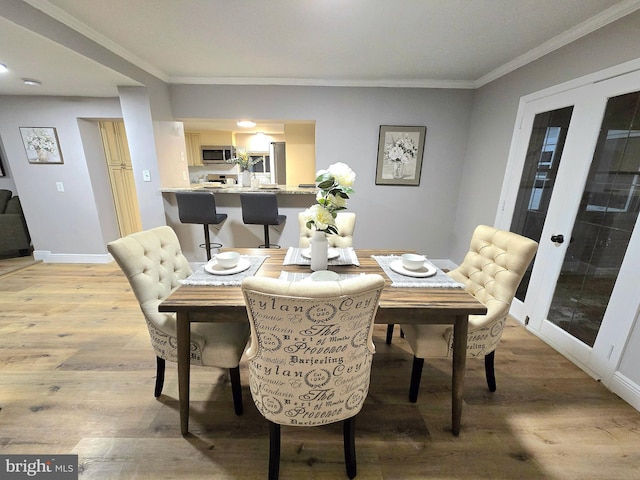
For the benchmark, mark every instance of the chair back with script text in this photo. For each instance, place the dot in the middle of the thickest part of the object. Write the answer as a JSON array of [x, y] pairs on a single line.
[[310, 353], [345, 223], [491, 271], [153, 262]]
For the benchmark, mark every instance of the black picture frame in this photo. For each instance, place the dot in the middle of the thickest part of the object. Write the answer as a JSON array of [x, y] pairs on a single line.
[[400, 155]]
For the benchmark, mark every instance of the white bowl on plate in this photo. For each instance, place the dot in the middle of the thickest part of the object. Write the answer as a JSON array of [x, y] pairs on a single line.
[[413, 261], [228, 259], [324, 276]]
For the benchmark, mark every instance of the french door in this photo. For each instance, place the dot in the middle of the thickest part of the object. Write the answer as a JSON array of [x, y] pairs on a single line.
[[573, 185]]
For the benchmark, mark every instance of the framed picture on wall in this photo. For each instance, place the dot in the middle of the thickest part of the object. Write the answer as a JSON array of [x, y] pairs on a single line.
[[400, 151], [41, 144]]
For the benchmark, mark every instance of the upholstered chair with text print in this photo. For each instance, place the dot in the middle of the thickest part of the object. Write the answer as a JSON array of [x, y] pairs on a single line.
[[345, 223], [310, 354], [153, 262], [491, 271]]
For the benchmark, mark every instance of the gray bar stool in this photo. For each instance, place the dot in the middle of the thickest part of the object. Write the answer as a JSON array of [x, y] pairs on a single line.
[[261, 209], [200, 207]]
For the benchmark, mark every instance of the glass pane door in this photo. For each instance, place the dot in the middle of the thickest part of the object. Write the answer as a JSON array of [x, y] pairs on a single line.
[[542, 161], [606, 217]]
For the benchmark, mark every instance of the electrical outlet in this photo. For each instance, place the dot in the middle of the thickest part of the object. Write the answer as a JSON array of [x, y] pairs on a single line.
[[60, 186], [146, 175], [184, 175]]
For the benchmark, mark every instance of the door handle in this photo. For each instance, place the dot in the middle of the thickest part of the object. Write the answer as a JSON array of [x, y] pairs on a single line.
[[557, 238]]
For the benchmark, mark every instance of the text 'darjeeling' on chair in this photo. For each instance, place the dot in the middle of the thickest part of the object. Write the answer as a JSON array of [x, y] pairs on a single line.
[[261, 209], [345, 223], [200, 208], [309, 341], [491, 271], [154, 265]]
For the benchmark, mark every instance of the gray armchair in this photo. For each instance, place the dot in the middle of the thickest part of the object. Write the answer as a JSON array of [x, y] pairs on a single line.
[[14, 235]]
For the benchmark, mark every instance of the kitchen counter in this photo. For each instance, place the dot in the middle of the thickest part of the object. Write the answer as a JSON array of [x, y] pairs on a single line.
[[282, 189]]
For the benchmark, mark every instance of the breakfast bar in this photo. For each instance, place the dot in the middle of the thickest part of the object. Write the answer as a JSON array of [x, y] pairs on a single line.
[[233, 233]]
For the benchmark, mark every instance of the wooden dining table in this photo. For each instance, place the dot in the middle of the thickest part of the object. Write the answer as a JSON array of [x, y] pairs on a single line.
[[451, 306]]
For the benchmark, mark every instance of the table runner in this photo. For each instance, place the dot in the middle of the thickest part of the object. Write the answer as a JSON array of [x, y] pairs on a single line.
[[347, 257], [439, 280], [298, 276], [202, 277]]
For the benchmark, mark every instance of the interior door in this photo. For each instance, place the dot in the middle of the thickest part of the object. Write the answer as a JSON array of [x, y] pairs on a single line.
[[579, 195]]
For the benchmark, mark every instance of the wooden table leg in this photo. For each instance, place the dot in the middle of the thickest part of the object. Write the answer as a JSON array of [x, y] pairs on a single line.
[[460, 329], [184, 363]]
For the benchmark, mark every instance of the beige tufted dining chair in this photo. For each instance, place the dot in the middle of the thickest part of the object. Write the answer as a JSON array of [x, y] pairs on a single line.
[[346, 224], [153, 262], [310, 354], [491, 271]]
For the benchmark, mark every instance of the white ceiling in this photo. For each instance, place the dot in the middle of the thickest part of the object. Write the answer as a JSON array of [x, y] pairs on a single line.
[[440, 43]]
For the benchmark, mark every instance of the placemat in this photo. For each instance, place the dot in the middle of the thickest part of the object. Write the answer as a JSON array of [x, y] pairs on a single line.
[[347, 257], [439, 280], [202, 277], [298, 276]]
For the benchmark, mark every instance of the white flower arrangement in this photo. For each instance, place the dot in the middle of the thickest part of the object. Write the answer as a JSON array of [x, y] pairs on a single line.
[[243, 159], [403, 150], [39, 140], [335, 185]]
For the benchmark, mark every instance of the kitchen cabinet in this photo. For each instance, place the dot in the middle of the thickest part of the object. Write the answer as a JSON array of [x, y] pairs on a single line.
[[121, 177], [193, 143]]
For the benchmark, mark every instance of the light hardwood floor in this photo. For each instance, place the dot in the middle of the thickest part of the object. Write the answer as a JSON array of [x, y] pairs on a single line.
[[77, 374]]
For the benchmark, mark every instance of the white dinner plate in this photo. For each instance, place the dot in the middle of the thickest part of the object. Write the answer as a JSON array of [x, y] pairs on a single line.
[[331, 254], [424, 271], [215, 268]]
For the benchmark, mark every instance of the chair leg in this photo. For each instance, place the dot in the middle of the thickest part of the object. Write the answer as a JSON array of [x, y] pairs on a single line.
[[274, 451], [489, 370], [207, 241], [389, 333], [416, 374], [159, 376], [266, 236], [236, 389], [349, 433]]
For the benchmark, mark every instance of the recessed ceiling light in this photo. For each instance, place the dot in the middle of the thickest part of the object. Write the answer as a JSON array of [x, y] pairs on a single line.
[[32, 82], [246, 123], [3, 68]]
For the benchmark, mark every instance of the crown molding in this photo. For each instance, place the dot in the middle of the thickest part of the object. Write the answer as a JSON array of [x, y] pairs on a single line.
[[320, 82], [63, 17], [588, 26], [598, 21]]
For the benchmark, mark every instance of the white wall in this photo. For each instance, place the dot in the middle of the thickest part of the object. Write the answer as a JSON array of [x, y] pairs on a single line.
[[347, 128], [492, 123], [62, 224], [494, 113]]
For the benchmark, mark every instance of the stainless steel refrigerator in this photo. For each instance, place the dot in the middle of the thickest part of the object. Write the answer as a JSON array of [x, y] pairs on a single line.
[[278, 160]]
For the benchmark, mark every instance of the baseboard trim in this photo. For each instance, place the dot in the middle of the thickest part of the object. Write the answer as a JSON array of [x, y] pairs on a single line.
[[48, 257], [626, 389]]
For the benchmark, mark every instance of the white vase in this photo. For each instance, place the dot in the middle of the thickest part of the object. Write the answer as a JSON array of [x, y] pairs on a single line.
[[319, 251], [245, 178]]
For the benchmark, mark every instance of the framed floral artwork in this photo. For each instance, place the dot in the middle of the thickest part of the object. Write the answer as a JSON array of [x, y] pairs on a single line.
[[41, 144], [400, 151]]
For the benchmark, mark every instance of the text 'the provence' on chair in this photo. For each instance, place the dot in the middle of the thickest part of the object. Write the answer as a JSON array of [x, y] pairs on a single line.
[[322, 343]]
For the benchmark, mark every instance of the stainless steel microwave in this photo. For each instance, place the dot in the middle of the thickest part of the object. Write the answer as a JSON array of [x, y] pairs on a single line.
[[217, 153]]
